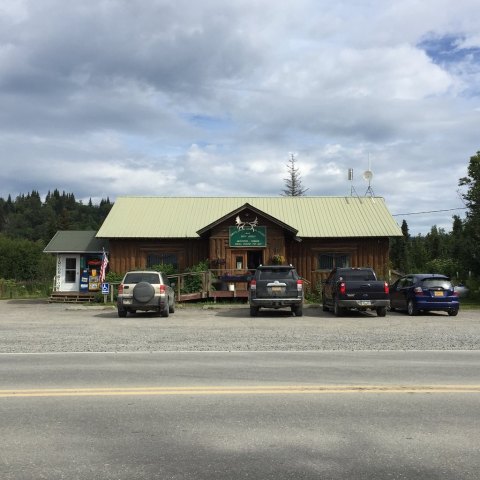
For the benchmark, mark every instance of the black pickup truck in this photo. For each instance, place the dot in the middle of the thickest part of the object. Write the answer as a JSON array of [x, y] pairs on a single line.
[[276, 286], [355, 288]]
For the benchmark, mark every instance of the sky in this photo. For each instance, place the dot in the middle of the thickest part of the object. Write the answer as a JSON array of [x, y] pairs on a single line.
[[105, 98]]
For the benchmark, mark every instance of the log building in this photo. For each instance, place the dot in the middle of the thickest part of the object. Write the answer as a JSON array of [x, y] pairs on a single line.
[[236, 234]]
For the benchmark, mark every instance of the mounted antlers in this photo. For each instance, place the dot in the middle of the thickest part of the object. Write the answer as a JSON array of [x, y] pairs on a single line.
[[241, 225]]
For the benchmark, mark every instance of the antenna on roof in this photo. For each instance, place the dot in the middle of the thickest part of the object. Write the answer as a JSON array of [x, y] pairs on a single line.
[[350, 179], [367, 176]]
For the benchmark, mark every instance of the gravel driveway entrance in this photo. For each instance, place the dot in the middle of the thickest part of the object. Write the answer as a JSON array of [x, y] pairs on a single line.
[[32, 327]]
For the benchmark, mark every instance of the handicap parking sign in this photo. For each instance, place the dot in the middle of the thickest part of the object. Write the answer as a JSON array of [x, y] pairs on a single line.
[[105, 288]]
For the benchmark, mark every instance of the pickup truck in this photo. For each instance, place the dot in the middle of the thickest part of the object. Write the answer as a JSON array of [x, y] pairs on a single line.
[[276, 286], [355, 289]]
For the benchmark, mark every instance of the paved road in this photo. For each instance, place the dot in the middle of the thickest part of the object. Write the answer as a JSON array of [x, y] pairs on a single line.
[[153, 414], [239, 415]]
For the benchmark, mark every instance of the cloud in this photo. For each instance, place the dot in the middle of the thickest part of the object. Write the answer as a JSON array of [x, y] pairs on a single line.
[[109, 97]]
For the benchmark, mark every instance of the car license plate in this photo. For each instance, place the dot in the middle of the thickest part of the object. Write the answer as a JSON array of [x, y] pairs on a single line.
[[127, 301], [277, 289], [438, 294], [364, 303]]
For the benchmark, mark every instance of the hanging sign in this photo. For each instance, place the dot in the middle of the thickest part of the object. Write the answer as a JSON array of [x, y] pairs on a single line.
[[248, 237]]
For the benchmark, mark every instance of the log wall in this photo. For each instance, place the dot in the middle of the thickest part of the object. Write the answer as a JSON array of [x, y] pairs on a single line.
[[214, 245], [128, 255]]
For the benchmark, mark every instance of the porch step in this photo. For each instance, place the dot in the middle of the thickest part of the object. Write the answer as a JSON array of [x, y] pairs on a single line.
[[71, 297]]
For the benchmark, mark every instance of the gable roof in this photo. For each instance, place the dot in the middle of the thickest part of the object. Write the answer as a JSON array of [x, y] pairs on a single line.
[[183, 217], [239, 210], [76, 241]]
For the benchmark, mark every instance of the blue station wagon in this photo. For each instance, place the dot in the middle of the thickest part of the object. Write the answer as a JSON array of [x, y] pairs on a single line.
[[422, 292]]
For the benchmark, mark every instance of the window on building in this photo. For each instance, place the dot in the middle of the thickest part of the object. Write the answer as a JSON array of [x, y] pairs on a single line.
[[328, 261], [162, 259]]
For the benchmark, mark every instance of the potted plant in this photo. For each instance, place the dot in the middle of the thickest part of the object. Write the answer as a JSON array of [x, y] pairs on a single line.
[[278, 259]]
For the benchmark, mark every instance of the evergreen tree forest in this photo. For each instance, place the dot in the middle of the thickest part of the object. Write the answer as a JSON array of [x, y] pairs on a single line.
[[455, 253], [28, 218]]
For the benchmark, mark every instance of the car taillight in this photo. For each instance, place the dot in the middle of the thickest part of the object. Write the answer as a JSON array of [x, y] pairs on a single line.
[[418, 291], [299, 285], [253, 285], [342, 288], [120, 288], [162, 289], [386, 288]]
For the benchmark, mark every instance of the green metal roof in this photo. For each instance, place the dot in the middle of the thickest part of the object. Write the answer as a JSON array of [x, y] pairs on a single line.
[[183, 217], [76, 241]]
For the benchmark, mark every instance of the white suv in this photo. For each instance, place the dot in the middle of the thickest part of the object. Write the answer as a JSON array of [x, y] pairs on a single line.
[[145, 290]]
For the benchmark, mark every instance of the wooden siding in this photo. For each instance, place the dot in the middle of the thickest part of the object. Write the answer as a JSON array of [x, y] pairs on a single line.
[[132, 254], [214, 245], [363, 252]]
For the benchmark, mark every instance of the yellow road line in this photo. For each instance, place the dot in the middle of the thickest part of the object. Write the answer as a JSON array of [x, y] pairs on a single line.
[[240, 390]]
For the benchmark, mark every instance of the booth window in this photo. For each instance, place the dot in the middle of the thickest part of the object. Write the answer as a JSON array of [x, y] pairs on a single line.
[[328, 261], [162, 259]]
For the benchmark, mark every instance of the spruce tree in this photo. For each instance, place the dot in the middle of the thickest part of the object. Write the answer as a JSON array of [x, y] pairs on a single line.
[[293, 182]]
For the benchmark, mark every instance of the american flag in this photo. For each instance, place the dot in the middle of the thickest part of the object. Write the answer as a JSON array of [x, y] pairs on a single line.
[[103, 268]]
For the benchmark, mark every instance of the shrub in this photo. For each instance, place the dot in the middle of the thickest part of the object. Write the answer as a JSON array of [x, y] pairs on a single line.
[[194, 283]]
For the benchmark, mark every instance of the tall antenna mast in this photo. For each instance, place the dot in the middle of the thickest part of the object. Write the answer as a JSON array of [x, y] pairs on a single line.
[[368, 175]]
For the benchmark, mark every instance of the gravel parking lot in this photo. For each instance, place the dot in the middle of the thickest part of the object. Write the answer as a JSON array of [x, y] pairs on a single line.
[[33, 327]]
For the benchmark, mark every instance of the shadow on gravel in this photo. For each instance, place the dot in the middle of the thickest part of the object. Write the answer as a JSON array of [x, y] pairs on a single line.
[[138, 315], [266, 313], [30, 301]]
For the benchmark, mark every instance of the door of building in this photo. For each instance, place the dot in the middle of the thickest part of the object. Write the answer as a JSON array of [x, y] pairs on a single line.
[[242, 260], [70, 273]]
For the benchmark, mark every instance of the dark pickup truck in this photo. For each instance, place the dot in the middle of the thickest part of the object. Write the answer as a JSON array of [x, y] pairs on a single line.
[[276, 286], [355, 288]]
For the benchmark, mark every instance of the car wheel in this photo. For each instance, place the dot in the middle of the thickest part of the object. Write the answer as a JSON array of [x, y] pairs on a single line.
[[381, 311], [165, 312], [122, 313], [254, 311], [298, 311], [453, 312], [337, 310], [411, 308], [143, 292], [172, 307]]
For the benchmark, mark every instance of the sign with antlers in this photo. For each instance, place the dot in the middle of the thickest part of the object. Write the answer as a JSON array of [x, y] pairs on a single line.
[[247, 234], [246, 225]]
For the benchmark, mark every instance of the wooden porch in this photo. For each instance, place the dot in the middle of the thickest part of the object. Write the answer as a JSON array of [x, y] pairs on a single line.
[[213, 284], [71, 297]]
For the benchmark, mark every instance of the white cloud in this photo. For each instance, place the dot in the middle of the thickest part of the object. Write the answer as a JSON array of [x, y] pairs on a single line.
[[209, 98]]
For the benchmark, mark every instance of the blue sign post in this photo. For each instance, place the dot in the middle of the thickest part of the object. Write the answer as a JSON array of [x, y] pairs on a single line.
[[105, 288]]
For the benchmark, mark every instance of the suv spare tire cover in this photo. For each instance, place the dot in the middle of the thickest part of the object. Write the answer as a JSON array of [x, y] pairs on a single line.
[[143, 292]]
